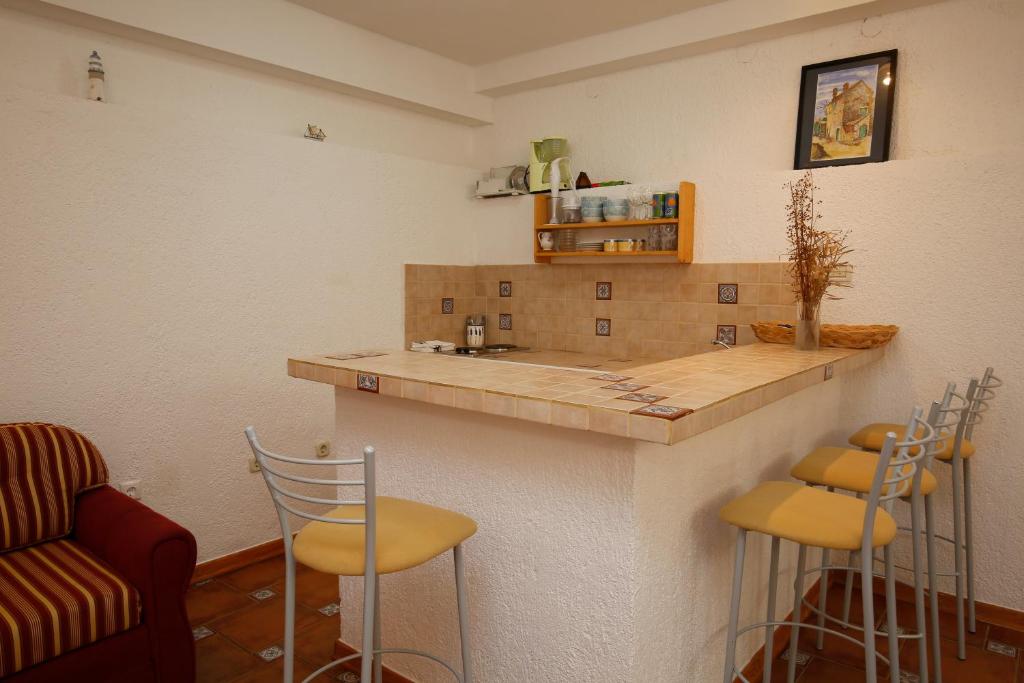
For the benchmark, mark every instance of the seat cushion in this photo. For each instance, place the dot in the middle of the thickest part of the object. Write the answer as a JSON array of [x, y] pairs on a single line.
[[408, 534], [872, 438], [42, 468], [850, 470], [56, 597], [807, 515]]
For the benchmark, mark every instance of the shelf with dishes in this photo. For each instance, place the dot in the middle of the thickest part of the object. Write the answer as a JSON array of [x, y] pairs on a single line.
[[623, 233]]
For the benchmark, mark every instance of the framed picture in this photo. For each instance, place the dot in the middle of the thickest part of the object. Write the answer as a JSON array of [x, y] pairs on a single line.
[[846, 111]]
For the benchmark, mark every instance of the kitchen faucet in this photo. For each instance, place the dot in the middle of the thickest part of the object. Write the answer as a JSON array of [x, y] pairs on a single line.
[[721, 343]]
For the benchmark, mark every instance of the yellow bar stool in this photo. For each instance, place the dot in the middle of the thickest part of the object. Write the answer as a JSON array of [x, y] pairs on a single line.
[[852, 470], [367, 537], [957, 452], [812, 517]]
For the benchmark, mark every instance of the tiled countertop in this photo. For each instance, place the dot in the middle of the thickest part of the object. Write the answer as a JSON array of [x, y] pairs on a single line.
[[663, 402]]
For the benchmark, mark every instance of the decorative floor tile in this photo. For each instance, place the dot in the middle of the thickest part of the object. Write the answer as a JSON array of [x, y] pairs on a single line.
[[801, 657], [200, 632], [197, 584], [447, 306], [504, 321], [642, 398], [660, 410], [369, 383], [505, 288], [626, 386], [347, 677], [262, 594], [728, 294], [909, 677], [603, 291], [884, 628], [330, 610], [727, 334], [603, 327], [271, 653], [607, 377], [1001, 648]]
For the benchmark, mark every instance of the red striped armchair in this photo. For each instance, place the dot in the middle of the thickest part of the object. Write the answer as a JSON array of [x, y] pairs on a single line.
[[92, 582]]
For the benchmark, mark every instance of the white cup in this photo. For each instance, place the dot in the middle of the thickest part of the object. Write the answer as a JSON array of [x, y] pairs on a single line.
[[547, 241]]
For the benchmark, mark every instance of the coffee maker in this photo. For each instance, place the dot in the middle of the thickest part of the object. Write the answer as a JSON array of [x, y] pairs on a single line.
[[542, 153]]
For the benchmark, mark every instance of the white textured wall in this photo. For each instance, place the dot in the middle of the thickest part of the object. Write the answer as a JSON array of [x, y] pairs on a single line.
[[937, 229], [165, 252]]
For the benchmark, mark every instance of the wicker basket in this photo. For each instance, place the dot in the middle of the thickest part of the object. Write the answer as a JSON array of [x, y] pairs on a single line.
[[841, 336]]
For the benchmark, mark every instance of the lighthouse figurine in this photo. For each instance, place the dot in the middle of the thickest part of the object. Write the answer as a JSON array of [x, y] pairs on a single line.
[[95, 77]]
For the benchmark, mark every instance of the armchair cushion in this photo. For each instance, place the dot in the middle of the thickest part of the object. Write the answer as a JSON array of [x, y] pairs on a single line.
[[42, 468], [56, 597]]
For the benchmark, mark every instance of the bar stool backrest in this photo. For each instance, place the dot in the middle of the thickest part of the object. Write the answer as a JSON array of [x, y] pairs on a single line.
[[983, 392], [282, 494]]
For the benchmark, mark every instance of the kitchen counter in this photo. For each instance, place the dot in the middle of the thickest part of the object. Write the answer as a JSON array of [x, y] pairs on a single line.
[[662, 402]]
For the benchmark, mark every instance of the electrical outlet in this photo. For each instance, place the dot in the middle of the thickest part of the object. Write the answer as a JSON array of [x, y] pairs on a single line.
[[323, 449], [254, 465], [132, 488]]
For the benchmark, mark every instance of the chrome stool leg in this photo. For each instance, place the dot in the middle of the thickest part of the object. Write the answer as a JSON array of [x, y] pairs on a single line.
[[890, 615], [378, 659], [798, 601], [734, 608], [958, 561], [919, 609], [769, 630], [867, 576], [972, 622], [933, 587], [366, 663], [848, 588], [460, 595], [289, 613]]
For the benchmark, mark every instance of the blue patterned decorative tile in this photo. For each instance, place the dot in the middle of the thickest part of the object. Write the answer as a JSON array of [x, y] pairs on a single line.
[[659, 410], [262, 594], [607, 377], [603, 291], [728, 294], [447, 306], [271, 653], [369, 383], [330, 610], [626, 386], [504, 321], [642, 398], [603, 327], [200, 632], [505, 288], [727, 334]]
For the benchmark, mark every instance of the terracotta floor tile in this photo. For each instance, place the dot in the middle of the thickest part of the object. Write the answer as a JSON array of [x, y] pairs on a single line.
[[823, 671], [1005, 635], [259, 575], [315, 643], [272, 672], [219, 660], [779, 671], [980, 667], [213, 600], [839, 649], [262, 624], [313, 589]]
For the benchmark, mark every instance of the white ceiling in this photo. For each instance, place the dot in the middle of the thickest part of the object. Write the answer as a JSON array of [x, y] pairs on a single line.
[[481, 31]]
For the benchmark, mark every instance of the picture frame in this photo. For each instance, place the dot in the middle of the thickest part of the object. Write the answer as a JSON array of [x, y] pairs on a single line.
[[845, 112]]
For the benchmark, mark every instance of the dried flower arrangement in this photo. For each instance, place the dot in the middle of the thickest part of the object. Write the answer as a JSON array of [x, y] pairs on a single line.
[[815, 254]]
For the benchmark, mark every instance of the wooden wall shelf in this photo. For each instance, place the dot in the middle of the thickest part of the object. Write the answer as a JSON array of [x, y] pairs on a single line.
[[684, 253]]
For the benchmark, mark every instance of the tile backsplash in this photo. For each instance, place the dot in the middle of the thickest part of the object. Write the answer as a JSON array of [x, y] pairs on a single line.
[[629, 310]]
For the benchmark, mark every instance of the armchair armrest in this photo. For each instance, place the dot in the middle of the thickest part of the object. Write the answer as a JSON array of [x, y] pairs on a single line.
[[156, 556]]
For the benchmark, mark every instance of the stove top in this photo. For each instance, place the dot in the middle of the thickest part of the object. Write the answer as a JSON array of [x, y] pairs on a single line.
[[485, 350]]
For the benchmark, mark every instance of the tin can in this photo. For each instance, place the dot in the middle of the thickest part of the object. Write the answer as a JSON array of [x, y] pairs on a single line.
[[671, 209], [658, 205]]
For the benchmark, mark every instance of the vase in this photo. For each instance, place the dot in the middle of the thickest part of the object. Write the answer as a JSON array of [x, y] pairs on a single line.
[[808, 328]]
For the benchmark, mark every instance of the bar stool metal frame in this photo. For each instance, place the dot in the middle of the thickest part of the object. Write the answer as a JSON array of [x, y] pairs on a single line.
[[975, 402], [897, 473], [946, 421], [371, 581]]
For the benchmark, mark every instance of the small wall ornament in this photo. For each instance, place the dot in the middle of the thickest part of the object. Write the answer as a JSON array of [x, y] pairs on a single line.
[[96, 77], [315, 132]]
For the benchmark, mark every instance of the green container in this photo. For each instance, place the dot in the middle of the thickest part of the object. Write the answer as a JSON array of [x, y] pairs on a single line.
[[658, 205], [671, 207]]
